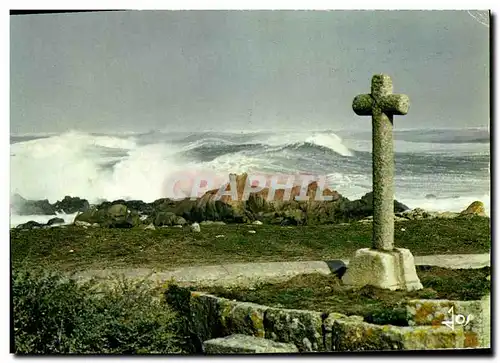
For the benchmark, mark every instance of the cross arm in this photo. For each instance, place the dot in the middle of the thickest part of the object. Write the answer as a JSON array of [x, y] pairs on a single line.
[[394, 104], [362, 105]]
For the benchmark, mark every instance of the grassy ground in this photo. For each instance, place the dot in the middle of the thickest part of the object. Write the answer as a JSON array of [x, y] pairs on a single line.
[[327, 294], [170, 247]]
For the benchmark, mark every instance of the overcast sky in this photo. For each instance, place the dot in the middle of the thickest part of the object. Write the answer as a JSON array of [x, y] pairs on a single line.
[[243, 70]]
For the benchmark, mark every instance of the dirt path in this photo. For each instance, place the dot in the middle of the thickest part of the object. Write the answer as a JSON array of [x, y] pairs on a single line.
[[251, 273]]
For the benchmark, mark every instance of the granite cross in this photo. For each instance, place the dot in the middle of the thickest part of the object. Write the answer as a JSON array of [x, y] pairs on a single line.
[[382, 104]]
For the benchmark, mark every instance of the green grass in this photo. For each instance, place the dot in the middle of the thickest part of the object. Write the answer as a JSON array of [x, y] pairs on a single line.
[[327, 294], [171, 247]]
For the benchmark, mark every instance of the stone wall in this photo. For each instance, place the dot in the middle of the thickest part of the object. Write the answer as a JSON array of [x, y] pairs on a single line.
[[213, 317], [434, 312]]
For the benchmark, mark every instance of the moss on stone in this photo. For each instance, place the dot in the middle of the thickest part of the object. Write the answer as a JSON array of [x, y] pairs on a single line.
[[471, 340]]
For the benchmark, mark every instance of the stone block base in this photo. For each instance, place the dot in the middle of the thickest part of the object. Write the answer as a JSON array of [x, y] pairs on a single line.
[[244, 344], [394, 270]]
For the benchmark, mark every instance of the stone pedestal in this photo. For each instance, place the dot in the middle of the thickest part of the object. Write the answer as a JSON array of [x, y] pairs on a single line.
[[394, 270]]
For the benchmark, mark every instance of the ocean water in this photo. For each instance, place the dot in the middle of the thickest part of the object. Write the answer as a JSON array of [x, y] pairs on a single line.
[[450, 164]]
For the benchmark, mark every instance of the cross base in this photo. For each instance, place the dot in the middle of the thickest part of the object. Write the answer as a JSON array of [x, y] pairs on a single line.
[[392, 270]]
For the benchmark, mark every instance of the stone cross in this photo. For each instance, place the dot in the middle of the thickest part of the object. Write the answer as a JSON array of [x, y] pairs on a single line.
[[382, 104]]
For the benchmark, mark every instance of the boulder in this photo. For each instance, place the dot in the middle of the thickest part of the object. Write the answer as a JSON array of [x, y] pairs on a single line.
[[180, 221], [417, 213], [295, 217], [212, 223], [71, 205], [83, 224], [447, 215], [118, 210], [150, 227], [140, 207], [168, 219], [137, 206], [328, 212], [161, 211], [399, 219], [114, 216], [163, 204], [54, 221], [119, 216], [30, 225], [474, 209], [92, 215], [363, 207], [195, 227]]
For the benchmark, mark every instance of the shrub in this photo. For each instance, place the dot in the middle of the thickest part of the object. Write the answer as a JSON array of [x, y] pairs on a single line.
[[57, 315]]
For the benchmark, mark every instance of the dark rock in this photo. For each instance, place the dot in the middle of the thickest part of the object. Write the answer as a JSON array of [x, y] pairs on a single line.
[[118, 210], [71, 205], [295, 217], [285, 222], [140, 207], [30, 225], [112, 216], [204, 208], [164, 219], [119, 216], [326, 212], [168, 219], [363, 207], [133, 205], [164, 204], [107, 204], [55, 220], [93, 215], [400, 207], [272, 218], [417, 213]]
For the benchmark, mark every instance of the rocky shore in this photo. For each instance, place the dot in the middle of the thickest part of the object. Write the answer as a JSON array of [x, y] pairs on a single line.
[[207, 209]]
